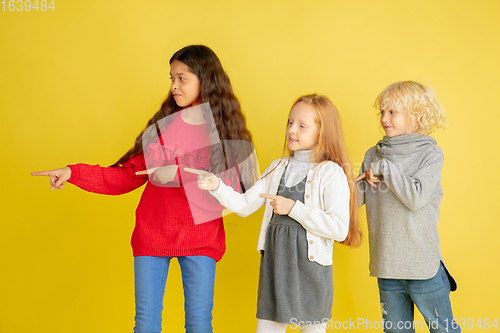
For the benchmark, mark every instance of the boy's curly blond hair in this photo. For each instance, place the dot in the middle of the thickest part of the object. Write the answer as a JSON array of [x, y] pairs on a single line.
[[418, 100]]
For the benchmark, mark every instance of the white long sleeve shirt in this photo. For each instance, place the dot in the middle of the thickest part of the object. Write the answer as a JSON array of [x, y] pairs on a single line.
[[324, 213]]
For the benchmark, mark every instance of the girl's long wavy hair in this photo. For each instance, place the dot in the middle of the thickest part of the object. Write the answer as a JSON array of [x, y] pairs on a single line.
[[229, 120], [331, 147]]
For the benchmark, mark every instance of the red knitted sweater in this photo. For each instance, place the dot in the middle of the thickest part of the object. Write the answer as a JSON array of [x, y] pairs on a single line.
[[164, 217]]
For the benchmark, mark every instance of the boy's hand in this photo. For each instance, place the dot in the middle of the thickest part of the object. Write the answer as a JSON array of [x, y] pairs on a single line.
[[206, 180], [281, 205], [58, 177], [370, 178]]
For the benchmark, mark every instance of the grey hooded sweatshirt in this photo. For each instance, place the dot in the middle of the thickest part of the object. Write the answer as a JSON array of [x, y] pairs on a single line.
[[403, 211]]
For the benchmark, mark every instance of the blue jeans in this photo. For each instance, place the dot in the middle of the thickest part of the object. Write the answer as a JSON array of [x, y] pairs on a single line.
[[432, 298], [198, 278]]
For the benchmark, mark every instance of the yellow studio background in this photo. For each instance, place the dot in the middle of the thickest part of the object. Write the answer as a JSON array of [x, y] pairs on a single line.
[[78, 83]]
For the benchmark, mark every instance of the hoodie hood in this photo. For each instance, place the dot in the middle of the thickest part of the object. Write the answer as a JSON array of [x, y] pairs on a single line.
[[404, 144]]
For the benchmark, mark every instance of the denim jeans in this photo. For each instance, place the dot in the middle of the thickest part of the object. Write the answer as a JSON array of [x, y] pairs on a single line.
[[432, 298], [198, 277]]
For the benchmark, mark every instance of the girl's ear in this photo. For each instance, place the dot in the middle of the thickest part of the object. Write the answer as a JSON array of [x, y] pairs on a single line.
[[318, 136]]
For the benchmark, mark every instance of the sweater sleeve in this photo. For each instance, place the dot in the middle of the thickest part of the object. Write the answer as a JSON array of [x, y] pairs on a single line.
[[333, 221], [248, 202], [416, 190], [109, 180], [241, 204]]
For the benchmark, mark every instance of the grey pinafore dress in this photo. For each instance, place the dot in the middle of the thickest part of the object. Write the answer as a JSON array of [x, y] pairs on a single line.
[[291, 286]]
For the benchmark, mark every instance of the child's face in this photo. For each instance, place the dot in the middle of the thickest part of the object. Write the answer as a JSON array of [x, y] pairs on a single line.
[[302, 131], [395, 121], [186, 87]]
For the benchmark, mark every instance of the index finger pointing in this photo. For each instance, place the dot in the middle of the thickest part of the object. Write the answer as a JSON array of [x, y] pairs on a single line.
[[196, 172], [361, 176], [42, 173], [146, 172], [268, 196]]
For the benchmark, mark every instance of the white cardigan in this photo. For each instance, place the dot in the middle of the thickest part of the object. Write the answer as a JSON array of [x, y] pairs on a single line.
[[324, 214]]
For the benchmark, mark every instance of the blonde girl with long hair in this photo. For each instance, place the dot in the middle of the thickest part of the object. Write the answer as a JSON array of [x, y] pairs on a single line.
[[311, 202]]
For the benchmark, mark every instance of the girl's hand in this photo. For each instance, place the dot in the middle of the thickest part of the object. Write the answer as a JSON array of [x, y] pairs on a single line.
[[206, 180], [58, 177], [162, 175], [370, 178], [281, 205], [165, 174]]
